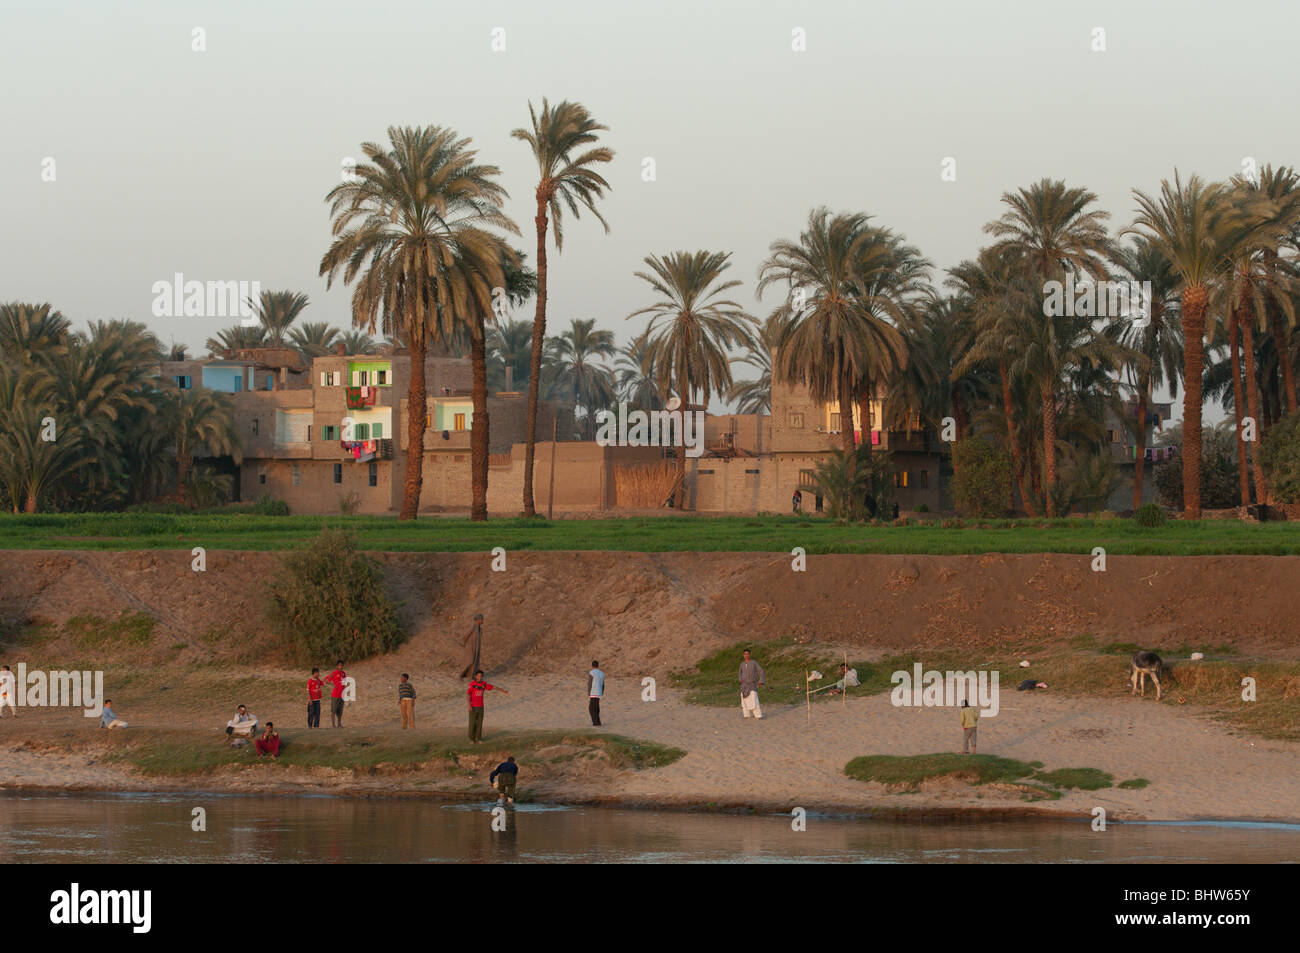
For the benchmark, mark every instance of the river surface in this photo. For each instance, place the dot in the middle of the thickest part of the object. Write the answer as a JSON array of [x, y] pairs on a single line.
[[158, 828]]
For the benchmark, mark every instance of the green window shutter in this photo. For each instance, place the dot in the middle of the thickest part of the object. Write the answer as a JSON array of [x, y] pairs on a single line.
[[377, 431]]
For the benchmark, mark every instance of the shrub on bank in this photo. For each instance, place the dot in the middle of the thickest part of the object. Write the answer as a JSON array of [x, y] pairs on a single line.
[[981, 480], [328, 602]]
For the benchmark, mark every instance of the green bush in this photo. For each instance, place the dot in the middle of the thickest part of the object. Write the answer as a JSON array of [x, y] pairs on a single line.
[[923, 508], [1149, 516], [270, 506], [981, 480], [1279, 454], [328, 602]]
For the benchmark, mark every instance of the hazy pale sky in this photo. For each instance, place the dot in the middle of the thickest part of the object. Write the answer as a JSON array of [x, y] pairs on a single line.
[[216, 163]]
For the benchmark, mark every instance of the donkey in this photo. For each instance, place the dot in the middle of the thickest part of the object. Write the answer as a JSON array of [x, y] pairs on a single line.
[[1144, 664]]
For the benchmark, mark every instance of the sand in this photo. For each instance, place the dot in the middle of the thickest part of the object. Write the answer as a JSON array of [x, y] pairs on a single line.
[[1197, 768]]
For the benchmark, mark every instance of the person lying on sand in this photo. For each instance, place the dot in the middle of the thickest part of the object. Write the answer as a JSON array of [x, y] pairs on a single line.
[[1029, 684], [848, 678]]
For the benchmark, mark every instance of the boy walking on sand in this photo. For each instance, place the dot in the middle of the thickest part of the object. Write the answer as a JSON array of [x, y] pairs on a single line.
[[406, 701], [751, 677], [969, 721], [595, 692], [314, 686], [475, 692], [508, 772]]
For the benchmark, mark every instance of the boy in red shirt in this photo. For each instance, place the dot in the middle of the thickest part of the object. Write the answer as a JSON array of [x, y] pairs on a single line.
[[475, 692], [314, 686], [336, 679]]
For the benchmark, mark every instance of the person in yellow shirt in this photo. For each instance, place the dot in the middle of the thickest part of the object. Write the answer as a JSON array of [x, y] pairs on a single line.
[[969, 720]]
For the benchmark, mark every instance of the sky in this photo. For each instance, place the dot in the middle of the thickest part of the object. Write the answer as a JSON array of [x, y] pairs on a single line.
[[215, 163]]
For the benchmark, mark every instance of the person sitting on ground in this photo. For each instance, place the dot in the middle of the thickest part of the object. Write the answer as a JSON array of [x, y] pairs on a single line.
[[1029, 684], [240, 728], [508, 772], [269, 743], [108, 718], [848, 679]]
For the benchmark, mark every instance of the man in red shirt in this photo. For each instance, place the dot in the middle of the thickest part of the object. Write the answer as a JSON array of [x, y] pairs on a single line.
[[336, 679], [314, 686], [475, 692]]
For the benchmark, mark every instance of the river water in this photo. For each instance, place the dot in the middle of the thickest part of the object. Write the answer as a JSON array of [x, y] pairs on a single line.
[[135, 828]]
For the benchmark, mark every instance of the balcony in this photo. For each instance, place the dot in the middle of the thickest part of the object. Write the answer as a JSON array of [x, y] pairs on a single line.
[[364, 451]]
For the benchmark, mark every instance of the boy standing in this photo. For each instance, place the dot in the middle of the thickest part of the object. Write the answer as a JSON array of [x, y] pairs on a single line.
[[406, 700], [595, 691], [336, 679], [970, 718], [314, 686], [475, 692]]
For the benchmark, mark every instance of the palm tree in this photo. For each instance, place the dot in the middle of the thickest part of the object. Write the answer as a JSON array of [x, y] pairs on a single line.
[[509, 346], [580, 377], [690, 331], [1055, 232], [176, 352], [27, 330], [42, 445], [1198, 229], [275, 312], [834, 329], [204, 422], [637, 381], [410, 228], [755, 397], [1281, 189], [1155, 341], [314, 339], [237, 337], [357, 342], [561, 139]]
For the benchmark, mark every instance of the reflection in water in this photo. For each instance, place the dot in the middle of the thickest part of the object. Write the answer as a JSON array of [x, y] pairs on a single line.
[[156, 828]]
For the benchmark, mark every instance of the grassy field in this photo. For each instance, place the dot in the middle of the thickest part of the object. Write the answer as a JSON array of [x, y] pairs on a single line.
[[247, 531]]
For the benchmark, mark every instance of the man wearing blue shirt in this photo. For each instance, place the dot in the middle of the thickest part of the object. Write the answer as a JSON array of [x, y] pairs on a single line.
[[595, 691]]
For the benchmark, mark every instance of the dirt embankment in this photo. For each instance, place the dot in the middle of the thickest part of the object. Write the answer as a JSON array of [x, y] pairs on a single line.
[[653, 612]]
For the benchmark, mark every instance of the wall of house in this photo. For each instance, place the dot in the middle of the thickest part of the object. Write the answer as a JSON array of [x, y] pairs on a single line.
[[316, 491], [229, 380]]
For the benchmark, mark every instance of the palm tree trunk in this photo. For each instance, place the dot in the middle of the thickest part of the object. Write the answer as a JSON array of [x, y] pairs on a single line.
[[1195, 300], [1280, 340], [846, 411], [1252, 396], [1049, 448], [1017, 463], [478, 435], [1140, 440], [535, 359], [417, 400], [1238, 404]]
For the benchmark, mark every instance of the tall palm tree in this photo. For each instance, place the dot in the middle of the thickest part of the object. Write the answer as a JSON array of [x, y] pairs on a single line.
[[410, 228], [995, 284], [562, 138], [33, 463], [275, 312], [833, 328], [314, 339], [1054, 230], [635, 376], [580, 375], [1197, 227], [1280, 187], [690, 330], [1154, 341]]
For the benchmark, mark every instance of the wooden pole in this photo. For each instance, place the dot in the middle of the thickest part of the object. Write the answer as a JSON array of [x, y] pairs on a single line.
[[550, 493], [844, 692], [807, 694]]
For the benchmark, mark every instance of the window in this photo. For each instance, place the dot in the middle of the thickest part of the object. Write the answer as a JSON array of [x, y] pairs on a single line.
[[428, 421], [297, 476], [309, 433], [796, 421], [923, 479], [381, 378], [376, 431], [747, 472], [459, 423], [900, 478], [329, 432], [704, 472], [338, 473], [361, 432], [835, 422], [329, 378], [183, 381], [261, 476], [374, 474], [254, 425], [807, 477], [239, 384]]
